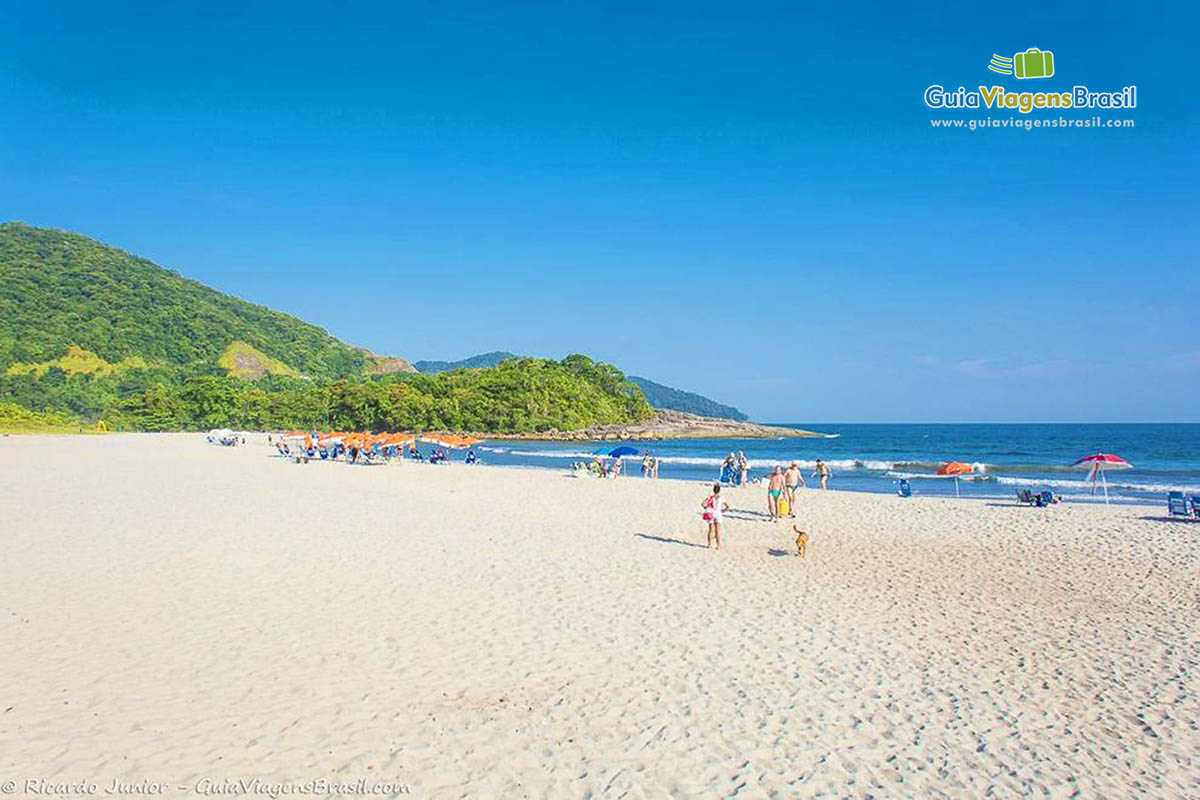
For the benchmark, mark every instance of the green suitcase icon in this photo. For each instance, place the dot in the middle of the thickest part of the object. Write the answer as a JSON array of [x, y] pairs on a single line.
[[1033, 63]]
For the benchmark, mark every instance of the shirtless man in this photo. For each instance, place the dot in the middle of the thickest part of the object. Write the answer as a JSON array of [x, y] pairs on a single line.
[[792, 477], [774, 490], [823, 472]]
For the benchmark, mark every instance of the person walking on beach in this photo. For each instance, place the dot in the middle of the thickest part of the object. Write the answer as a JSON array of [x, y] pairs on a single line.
[[823, 472], [714, 515], [792, 477], [774, 490], [743, 465]]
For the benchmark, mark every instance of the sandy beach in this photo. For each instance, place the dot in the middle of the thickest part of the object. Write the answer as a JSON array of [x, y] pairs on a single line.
[[187, 614]]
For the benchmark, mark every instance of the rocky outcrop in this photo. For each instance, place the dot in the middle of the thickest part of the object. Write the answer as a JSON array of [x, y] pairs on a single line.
[[383, 365], [668, 425]]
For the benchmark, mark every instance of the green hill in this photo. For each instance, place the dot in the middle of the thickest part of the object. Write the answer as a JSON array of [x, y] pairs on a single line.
[[89, 332], [61, 290], [661, 396]]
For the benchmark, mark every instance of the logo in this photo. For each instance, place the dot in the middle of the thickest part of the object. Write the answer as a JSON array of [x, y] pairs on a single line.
[[1033, 63]]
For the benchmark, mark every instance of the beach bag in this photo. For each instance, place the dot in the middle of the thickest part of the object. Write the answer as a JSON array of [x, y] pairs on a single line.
[[784, 508]]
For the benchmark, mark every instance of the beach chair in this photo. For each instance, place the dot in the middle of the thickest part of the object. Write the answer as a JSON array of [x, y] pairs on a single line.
[[1196, 506], [902, 488], [1177, 505], [1046, 498], [1025, 497]]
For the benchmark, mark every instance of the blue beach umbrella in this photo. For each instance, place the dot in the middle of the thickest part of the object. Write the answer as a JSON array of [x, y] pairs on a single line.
[[622, 451]]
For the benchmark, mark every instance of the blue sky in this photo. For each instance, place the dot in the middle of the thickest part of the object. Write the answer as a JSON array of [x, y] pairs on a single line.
[[746, 200]]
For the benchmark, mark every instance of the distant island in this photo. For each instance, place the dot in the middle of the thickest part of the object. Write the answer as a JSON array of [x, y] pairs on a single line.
[[657, 395], [94, 337]]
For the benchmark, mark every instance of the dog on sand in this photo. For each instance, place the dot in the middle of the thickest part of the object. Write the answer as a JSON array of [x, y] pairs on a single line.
[[801, 542]]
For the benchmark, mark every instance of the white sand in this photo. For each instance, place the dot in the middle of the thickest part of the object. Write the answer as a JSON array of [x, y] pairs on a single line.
[[176, 611]]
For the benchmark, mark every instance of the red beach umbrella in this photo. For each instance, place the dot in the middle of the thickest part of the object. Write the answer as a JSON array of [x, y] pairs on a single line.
[[955, 468], [1099, 463]]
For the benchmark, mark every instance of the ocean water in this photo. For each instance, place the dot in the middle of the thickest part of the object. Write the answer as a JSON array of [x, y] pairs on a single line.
[[870, 458]]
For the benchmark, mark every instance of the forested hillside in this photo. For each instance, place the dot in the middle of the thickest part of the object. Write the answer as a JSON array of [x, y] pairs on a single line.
[[60, 290], [661, 396], [92, 332]]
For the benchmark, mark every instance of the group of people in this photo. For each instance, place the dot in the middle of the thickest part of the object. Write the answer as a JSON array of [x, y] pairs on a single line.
[[649, 466], [221, 436], [599, 467], [352, 453], [783, 483], [781, 492]]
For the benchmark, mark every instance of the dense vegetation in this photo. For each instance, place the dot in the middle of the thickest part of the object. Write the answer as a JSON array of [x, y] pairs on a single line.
[[14, 419], [661, 396], [657, 395], [482, 361], [519, 396], [59, 289]]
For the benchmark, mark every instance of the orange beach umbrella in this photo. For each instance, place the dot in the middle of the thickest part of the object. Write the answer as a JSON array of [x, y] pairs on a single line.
[[459, 441], [955, 468]]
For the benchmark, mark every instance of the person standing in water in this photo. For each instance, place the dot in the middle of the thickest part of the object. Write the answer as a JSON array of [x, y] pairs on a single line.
[[714, 511], [792, 477], [743, 465], [823, 472], [774, 490]]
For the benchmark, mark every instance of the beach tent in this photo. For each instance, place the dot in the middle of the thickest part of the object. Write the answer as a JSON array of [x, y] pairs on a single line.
[[954, 469], [1098, 464]]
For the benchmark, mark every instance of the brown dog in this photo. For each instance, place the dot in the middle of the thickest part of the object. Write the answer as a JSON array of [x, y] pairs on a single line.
[[801, 542]]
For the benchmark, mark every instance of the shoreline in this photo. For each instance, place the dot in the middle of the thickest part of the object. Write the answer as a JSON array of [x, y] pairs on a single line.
[[632, 477], [1001, 497]]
